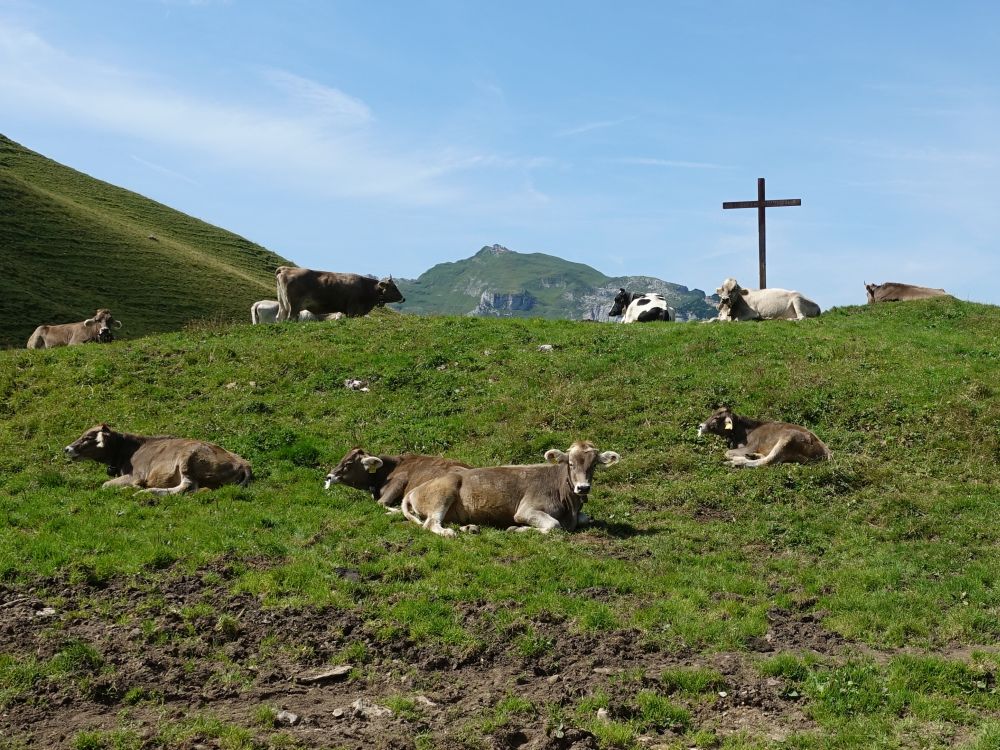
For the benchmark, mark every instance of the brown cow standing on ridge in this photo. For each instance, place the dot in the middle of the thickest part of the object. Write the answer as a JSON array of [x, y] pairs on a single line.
[[539, 496], [325, 292], [893, 291], [753, 443], [161, 464], [388, 478], [97, 328]]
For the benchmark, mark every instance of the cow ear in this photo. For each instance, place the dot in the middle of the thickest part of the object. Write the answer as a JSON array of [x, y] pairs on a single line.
[[729, 422], [609, 458], [555, 456], [744, 292], [371, 463], [104, 427]]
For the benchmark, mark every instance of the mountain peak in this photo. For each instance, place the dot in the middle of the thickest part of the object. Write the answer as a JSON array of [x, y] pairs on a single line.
[[495, 250]]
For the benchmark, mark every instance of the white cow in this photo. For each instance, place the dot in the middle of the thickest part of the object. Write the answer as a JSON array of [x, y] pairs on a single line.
[[737, 303], [266, 311]]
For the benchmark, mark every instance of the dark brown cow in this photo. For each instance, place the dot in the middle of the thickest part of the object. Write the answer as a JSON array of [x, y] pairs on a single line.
[[326, 292], [97, 328], [539, 496], [753, 443], [162, 465], [893, 291], [388, 478]]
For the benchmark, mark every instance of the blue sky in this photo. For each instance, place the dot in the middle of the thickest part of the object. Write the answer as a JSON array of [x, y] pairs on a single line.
[[385, 137]]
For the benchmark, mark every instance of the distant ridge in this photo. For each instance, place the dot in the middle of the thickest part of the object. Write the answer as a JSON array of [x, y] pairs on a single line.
[[499, 282], [70, 243]]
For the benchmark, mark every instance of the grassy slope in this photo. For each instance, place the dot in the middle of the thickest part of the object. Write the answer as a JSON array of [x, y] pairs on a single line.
[[894, 541], [97, 235]]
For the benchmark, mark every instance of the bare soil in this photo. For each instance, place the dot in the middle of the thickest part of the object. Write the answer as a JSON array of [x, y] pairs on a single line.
[[180, 647]]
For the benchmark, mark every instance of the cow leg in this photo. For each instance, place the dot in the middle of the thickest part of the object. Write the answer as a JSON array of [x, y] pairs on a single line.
[[392, 494], [186, 485], [534, 519], [124, 480], [774, 456], [733, 452], [433, 523]]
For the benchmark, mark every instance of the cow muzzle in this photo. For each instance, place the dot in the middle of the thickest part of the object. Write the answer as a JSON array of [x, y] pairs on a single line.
[[702, 429], [581, 488], [330, 481], [69, 451]]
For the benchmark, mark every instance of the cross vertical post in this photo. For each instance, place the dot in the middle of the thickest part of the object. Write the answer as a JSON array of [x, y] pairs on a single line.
[[760, 204], [761, 234]]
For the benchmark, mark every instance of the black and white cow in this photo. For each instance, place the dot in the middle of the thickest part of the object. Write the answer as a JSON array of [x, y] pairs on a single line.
[[641, 308]]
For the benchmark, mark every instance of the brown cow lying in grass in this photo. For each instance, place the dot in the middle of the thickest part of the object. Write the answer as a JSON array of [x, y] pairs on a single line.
[[160, 464], [893, 291], [388, 478], [753, 443], [97, 328], [539, 496]]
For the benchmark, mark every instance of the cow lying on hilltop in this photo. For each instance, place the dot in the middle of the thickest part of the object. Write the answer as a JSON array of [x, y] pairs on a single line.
[[388, 478], [892, 291], [641, 308], [539, 496], [160, 464], [326, 292], [266, 311], [737, 303], [753, 443], [97, 328]]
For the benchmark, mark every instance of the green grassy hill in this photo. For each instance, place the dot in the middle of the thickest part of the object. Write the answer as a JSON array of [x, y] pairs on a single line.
[[851, 604], [71, 244], [542, 286]]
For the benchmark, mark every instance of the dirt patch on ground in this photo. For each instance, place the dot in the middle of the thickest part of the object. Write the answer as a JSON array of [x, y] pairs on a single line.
[[154, 654]]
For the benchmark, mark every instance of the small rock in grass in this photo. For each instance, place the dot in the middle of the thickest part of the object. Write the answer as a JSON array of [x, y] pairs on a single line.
[[287, 718], [545, 347], [602, 714]]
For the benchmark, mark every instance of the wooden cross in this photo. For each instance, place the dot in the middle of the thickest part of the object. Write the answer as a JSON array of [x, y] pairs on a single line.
[[760, 204]]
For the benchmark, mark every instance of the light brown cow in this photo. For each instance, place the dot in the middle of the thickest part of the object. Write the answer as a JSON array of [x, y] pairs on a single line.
[[162, 465], [539, 496], [97, 328], [388, 478], [753, 443], [893, 291], [326, 292]]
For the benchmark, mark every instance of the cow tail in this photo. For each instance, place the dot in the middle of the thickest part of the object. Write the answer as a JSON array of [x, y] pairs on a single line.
[[247, 476], [36, 341], [253, 314], [284, 309], [408, 510]]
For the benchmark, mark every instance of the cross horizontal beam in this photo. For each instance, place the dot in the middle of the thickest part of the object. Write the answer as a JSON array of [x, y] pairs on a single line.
[[766, 204]]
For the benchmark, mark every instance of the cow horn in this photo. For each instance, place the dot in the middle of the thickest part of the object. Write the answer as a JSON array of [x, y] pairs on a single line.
[[118, 323], [89, 321]]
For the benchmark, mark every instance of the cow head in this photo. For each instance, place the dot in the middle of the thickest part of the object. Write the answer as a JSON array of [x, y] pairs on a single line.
[[722, 422], [103, 320], [94, 444], [356, 469], [870, 289], [581, 459], [730, 291], [388, 292], [622, 300]]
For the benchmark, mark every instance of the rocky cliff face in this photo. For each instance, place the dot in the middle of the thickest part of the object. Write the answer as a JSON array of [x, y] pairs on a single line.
[[498, 304]]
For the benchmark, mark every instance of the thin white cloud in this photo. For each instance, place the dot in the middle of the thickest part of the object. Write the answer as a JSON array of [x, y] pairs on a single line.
[[321, 100], [309, 136], [669, 163], [591, 126], [163, 170]]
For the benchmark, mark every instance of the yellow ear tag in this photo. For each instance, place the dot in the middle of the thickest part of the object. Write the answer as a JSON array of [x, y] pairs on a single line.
[[372, 469], [729, 423]]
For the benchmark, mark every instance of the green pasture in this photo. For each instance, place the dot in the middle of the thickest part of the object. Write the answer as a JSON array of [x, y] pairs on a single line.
[[894, 543]]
